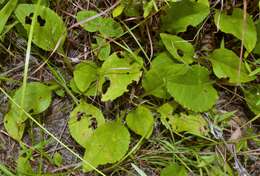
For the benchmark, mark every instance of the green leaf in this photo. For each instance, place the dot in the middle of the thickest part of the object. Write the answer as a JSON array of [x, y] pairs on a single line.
[[118, 10], [120, 73], [57, 159], [84, 119], [183, 13], [166, 111], [180, 49], [141, 121], [192, 124], [37, 99], [85, 74], [154, 81], [226, 65], [252, 96], [94, 24], [23, 164], [5, 12], [14, 129], [192, 89], [102, 48], [49, 29], [111, 28], [257, 46], [174, 169], [148, 7], [108, 144], [233, 24]]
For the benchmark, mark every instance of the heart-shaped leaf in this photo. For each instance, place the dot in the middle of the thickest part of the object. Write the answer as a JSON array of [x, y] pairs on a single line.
[[181, 14], [141, 121], [193, 89], [180, 49], [108, 144], [226, 65], [49, 30], [234, 24], [84, 119], [121, 73]]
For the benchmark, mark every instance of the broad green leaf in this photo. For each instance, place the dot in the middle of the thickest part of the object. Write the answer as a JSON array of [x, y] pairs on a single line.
[[154, 81], [23, 164], [120, 73], [5, 12], [226, 65], [102, 48], [180, 49], [14, 129], [174, 169], [252, 96], [85, 74], [233, 24], [193, 89], [111, 28], [49, 30], [166, 115], [148, 7], [181, 14], [141, 121], [37, 99], [192, 124], [108, 144], [84, 119], [92, 25]]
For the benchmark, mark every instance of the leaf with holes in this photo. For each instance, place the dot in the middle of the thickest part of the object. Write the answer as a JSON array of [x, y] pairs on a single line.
[[108, 144], [37, 99], [5, 12], [226, 65], [121, 72], [93, 25], [154, 80], [192, 124], [234, 24], [193, 89], [84, 119], [84, 74], [141, 121], [49, 30], [180, 49], [181, 14], [252, 97], [174, 168]]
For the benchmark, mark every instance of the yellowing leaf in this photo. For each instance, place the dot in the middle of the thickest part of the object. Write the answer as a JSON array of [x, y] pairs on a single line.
[[49, 29], [84, 119], [234, 24], [108, 144], [180, 49], [120, 73], [141, 121], [193, 89], [183, 13], [226, 65]]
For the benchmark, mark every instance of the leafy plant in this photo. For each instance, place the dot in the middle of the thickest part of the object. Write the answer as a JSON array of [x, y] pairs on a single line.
[[5, 12]]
